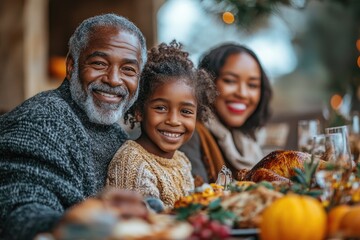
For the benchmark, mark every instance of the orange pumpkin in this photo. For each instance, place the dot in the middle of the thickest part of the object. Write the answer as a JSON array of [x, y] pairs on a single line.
[[350, 223], [334, 218], [294, 217]]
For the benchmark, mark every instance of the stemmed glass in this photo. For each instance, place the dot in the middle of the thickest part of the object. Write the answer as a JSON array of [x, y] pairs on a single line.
[[327, 151], [334, 173], [307, 129], [344, 158], [354, 135]]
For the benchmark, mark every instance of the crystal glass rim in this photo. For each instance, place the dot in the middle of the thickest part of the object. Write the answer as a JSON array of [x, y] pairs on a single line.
[[303, 121], [338, 127], [326, 134]]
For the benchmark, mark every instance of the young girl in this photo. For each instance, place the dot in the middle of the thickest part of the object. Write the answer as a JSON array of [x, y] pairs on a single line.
[[173, 94]]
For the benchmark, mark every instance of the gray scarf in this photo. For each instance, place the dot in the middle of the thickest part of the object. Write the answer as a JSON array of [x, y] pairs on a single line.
[[238, 149]]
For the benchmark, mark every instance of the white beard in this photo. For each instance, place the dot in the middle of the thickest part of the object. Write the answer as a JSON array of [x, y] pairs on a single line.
[[100, 112]]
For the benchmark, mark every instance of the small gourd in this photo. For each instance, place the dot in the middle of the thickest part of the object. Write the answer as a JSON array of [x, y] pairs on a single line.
[[294, 217], [349, 225]]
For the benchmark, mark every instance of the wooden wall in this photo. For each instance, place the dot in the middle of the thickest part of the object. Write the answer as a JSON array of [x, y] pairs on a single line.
[[11, 52], [64, 22], [33, 30]]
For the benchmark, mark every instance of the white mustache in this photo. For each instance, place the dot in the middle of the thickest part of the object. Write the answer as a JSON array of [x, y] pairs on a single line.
[[119, 90]]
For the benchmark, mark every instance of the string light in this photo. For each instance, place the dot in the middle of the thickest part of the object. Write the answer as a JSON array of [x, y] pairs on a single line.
[[228, 17], [336, 101], [358, 44]]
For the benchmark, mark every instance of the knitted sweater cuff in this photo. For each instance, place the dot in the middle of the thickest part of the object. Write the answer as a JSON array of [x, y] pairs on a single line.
[[28, 221]]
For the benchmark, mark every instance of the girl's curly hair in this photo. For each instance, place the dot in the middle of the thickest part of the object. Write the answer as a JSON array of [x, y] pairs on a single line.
[[168, 62]]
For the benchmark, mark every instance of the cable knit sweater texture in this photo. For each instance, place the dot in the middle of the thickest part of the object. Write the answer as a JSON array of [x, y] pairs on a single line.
[[135, 168], [51, 157]]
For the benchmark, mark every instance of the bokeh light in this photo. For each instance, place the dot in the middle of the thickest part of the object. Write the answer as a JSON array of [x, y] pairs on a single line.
[[358, 61], [228, 17], [57, 67], [358, 44], [336, 101]]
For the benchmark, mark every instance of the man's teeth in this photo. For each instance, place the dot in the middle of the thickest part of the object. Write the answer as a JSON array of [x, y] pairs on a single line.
[[109, 95], [173, 135], [238, 106]]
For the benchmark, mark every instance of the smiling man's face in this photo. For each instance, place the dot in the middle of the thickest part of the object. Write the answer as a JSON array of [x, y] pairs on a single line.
[[105, 81]]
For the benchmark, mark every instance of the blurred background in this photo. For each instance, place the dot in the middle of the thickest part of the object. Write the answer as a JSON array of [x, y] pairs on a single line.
[[309, 48]]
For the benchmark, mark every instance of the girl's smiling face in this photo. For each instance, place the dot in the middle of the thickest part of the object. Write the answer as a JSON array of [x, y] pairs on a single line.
[[239, 86], [168, 119]]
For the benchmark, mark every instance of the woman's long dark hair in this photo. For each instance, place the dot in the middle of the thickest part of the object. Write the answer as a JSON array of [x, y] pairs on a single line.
[[215, 59]]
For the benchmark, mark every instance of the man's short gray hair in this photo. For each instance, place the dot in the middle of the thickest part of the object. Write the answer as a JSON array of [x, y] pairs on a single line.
[[79, 40]]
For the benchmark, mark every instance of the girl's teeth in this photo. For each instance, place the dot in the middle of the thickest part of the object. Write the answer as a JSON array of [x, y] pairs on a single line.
[[173, 135]]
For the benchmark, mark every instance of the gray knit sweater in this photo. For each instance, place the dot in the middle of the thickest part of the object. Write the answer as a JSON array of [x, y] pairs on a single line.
[[51, 157]]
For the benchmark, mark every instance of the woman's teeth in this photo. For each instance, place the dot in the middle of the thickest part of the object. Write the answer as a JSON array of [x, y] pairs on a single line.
[[238, 106]]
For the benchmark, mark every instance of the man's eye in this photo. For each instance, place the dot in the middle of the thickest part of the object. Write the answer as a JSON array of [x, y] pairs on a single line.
[[97, 64], [129, 71]]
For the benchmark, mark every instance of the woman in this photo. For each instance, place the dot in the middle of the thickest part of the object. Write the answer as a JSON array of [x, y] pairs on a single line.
[[241, 108]]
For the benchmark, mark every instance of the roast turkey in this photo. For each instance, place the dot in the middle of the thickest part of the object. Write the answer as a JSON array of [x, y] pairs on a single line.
[[277, 166]]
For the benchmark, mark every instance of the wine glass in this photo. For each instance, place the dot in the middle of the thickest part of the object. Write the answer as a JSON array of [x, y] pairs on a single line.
[[344, 160], [327, 151], [354, 135], [307, 129]]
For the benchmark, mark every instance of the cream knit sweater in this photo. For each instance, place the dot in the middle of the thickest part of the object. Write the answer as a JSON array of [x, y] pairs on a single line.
[[136, 169]]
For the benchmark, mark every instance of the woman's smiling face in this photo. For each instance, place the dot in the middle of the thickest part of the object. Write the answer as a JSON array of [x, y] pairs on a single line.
[[239, 86], [168, 119]]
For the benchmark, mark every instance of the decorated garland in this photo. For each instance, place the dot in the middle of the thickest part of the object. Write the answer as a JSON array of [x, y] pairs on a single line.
[[244, 12]]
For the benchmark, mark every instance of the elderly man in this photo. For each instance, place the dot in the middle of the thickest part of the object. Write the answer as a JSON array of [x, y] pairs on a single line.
[[56, 146]]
